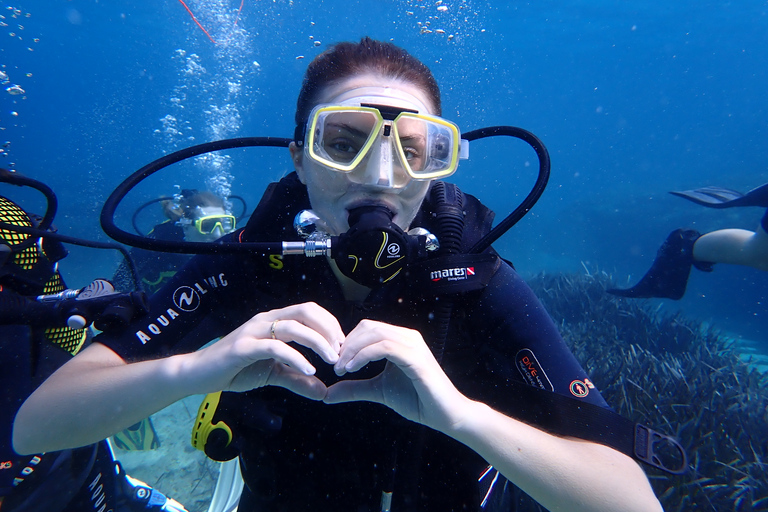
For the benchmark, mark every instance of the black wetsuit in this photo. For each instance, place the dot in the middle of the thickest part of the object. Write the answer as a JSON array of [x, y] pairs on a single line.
[[299, 454], [33, 344], [153, 268]]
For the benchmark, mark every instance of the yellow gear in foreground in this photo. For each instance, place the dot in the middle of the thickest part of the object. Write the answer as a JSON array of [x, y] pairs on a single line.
[[203, 424]]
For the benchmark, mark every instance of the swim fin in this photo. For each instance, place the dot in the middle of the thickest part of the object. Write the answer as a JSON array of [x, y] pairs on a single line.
[[668, 276], [140, 436], [718, 197]]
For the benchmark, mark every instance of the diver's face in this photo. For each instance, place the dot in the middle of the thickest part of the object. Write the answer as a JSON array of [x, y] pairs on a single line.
[[193, 234], [332, 193]]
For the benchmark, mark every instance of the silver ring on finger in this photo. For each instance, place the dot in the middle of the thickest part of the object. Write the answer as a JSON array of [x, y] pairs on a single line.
[[272, 329]]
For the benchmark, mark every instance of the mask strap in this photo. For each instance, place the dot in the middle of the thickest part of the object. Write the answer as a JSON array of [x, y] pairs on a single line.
[[298, 134]]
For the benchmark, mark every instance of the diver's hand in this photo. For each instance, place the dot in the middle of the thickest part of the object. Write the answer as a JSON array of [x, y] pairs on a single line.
[[412, 384], [249, 357]]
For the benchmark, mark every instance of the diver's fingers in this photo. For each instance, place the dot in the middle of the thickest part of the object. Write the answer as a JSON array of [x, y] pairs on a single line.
[[292, 330], [307, 386], [309, 314], [368, 390], [391, 388], [372, 340], [413, 364], [279, 352]]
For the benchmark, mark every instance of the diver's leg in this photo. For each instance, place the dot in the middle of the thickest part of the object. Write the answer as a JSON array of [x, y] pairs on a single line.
[[735, 246]]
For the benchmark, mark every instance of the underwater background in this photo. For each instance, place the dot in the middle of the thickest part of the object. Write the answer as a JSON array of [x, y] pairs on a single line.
[[632, 100]]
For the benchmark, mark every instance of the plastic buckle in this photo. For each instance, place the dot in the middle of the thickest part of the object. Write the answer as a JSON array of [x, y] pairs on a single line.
[[647, 439]]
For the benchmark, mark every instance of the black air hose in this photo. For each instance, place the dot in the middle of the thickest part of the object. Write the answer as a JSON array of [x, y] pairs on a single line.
[[449, 210]]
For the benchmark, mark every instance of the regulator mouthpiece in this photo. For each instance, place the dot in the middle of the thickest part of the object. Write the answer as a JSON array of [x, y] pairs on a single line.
[[374, 250], [374, 214]]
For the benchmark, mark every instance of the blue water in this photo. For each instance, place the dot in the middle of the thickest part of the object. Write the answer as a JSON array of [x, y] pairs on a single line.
[[633, 99]]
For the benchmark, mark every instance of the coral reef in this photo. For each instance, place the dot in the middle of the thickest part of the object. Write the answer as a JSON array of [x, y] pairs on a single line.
[[678, 376]]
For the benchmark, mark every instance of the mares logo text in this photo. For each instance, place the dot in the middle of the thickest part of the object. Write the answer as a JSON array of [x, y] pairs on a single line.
[[452, 274]]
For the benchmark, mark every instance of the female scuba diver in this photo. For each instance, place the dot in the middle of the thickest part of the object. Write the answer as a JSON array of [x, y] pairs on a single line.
[[195, 216], [200, 215], [311, 348], [685, 248]]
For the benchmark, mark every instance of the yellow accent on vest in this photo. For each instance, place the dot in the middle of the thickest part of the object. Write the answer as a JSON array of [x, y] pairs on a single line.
[[10, 213], [276, 261], [203, 424], [71, 340]]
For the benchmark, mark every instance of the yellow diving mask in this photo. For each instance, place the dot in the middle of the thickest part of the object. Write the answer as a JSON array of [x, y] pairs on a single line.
[[382, 145], [207, 224]]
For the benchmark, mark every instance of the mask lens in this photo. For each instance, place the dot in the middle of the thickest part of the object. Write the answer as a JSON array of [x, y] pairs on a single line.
[[412, 133], [429, 146], [340, 138]]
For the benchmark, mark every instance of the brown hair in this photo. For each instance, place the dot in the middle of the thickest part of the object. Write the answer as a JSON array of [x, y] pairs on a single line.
[[190, 200], [346, 59]]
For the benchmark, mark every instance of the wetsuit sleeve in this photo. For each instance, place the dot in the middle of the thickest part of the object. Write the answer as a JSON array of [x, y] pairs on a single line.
[[15, 309], [521, 342], [196, 306]]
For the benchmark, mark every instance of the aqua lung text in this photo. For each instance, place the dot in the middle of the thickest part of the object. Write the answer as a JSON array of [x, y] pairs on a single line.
[[28, 470], [186, 299], [97, 494]]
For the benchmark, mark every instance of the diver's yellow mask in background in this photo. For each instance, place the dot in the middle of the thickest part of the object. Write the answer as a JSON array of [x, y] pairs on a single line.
[[382, 145], [207, 224]]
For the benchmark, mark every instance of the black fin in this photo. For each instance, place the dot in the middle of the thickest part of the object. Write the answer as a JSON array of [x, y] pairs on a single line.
[[719, 197], [668, 276]]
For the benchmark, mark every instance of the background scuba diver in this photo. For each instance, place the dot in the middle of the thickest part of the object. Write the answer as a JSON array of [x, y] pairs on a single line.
[[341, 457], [34, 341], [683, 248], [195, 217]]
